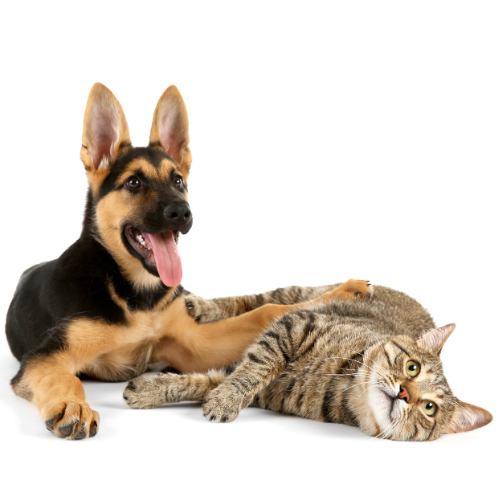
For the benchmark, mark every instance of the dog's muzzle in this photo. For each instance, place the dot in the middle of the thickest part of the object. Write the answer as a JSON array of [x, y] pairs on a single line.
[[179, 217]]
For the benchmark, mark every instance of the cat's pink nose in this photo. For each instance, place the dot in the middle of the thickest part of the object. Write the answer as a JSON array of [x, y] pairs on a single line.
[[404, 394]]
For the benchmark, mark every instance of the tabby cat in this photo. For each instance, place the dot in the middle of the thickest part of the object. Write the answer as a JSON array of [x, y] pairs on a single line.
[[365, 363]]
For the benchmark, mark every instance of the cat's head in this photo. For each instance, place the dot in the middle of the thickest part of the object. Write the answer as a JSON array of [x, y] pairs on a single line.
[[409, 397]]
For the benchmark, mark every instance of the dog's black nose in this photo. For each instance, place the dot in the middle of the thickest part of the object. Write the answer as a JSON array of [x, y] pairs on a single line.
[[179, 213]]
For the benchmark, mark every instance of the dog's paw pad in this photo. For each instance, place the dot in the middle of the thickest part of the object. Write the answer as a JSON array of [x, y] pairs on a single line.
[[70, 420], [357, 289], [93, 430]]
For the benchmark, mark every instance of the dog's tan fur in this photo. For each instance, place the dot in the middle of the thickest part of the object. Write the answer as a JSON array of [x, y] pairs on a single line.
[[166, 332]]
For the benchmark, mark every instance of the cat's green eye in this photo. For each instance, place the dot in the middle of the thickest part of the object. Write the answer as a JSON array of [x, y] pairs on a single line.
[[412, 368], [429, 408]]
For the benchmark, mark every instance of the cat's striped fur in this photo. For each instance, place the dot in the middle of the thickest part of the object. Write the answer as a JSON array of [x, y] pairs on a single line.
[[342, 362], [205, 311]]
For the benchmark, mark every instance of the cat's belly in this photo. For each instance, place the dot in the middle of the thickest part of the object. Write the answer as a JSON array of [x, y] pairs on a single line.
[[295, 392]]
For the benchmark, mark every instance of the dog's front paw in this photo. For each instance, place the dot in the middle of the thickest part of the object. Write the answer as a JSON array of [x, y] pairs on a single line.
[[146, 392], [222, 405], [70, 420], [202, 310]]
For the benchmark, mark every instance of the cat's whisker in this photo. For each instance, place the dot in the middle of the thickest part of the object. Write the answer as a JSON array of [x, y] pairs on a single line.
[[374, 362], [374, 335], [381, 368], [377, 365], [347, 388], [354, 385], [391, 430], [381, 435], [382, 347], [389, 434], [355, 360], [388, 431], [363, 392], [364, 356], [388, 383]]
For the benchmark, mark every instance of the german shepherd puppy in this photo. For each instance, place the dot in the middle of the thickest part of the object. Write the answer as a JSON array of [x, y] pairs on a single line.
[[112, 303]]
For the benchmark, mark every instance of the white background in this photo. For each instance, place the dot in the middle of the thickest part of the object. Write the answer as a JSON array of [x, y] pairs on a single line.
[[331, 140]]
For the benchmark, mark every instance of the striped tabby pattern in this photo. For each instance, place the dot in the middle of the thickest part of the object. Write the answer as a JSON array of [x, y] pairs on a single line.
[[206, 311], [353, 362]]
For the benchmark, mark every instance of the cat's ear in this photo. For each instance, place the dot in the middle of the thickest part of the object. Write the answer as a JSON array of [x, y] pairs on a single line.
[[170, 128], [434, 340], [105, 129], [468, 417]]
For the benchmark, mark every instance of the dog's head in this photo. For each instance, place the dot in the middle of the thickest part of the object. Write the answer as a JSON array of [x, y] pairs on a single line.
[[138, 196]]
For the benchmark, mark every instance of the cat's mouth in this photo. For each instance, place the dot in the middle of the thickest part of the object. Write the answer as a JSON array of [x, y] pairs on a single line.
[[388, 402]]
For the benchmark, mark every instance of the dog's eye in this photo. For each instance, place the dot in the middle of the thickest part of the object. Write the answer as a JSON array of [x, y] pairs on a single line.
[[178, 182], [133, 182]]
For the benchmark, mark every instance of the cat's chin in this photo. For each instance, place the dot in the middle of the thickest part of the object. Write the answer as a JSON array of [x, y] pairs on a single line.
[[382, 405]]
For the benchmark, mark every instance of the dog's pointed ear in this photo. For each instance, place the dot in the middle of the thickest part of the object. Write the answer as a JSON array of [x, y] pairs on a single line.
[[105, 129], [170, 128]]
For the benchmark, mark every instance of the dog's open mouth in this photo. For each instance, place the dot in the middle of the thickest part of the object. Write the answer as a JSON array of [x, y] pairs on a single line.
[[159, 252]]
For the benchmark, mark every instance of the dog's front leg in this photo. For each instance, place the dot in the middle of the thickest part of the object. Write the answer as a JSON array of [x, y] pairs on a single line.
[[59, 396], [47, 376]]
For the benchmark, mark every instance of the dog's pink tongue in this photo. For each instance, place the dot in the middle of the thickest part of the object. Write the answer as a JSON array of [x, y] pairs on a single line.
[[167, 258]]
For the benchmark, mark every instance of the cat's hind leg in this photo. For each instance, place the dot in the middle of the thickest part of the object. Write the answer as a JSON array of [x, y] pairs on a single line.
[[151, 392]]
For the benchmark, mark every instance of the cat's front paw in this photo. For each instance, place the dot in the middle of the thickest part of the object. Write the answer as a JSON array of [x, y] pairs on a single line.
[[222, 405], [202, 310], [146, 392]]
